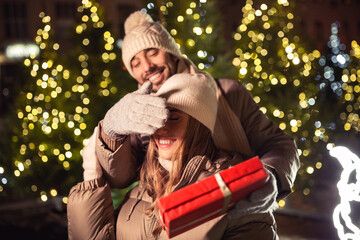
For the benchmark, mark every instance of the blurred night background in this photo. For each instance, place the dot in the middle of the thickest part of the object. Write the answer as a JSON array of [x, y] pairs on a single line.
[[61, 70]]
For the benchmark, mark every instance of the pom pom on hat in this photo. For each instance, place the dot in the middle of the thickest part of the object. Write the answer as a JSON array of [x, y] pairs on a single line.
[[135, 19]]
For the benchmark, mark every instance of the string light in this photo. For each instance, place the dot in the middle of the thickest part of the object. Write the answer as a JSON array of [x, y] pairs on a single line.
[[349, 192]]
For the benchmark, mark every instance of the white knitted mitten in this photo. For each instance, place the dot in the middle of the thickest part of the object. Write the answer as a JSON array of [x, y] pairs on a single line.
[[91, 165], [136, 112]]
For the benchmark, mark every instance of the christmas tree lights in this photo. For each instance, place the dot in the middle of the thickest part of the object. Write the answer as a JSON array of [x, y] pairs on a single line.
[[63, 101], [277, 67], [196, 27], [328, 83], [338, 88], [47, 126], [351, 88]]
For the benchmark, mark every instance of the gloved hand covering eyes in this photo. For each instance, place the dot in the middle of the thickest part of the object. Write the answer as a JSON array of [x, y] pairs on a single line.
[[137, 112]]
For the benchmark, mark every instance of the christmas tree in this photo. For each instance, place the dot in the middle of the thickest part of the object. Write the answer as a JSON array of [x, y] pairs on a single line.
[[329, 83], [276, 66], [197, 29], [99, 66], [338, 90], [63, 101], [338, 96], [351, 89], [51, 121]]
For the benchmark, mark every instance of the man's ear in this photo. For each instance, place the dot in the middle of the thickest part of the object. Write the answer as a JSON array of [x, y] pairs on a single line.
[[174, 58]]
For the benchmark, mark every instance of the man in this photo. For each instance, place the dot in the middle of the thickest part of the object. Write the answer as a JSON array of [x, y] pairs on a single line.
[[151, 56]]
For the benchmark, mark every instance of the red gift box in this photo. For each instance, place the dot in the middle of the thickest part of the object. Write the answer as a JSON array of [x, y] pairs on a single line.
[[209, 198]]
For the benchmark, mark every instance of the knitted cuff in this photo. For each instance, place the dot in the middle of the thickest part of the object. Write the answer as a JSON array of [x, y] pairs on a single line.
[[111, 142], [90, 174]]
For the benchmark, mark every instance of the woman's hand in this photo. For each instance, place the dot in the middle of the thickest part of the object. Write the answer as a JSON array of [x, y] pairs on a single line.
[[91, 165]]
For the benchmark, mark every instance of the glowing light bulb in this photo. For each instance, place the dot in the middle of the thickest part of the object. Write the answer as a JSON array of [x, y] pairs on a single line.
[[243, 71], [293, 122], [197, 30]]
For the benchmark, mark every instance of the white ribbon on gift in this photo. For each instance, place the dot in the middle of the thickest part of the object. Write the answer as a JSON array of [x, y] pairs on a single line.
[[225, 191]]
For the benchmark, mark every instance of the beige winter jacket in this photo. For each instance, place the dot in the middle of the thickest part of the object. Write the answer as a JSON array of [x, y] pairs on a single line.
[[240, 127], [90, 211]]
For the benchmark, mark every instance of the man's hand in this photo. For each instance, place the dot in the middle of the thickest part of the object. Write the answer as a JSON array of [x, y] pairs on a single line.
[[136, 112], [260, 201]]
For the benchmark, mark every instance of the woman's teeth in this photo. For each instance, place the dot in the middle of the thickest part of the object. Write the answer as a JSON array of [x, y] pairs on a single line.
[[165, 141]]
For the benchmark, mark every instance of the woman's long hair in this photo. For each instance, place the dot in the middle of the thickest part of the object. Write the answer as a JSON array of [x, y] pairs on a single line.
[[158, 181]]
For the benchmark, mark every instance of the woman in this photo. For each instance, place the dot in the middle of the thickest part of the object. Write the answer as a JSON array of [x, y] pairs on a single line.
[[180, 153]]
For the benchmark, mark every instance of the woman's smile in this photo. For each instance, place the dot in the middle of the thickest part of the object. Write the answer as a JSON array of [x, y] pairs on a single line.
[[165, 142], [169, 138]]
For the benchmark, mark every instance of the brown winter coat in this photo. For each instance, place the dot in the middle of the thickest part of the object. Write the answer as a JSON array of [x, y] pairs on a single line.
[[240, 127], [90, 211]]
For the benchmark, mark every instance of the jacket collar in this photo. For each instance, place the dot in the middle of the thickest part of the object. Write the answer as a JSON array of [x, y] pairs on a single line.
[[191, 171]]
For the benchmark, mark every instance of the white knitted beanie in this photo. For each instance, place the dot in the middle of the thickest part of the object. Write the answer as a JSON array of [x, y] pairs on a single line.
[[141, 32], [194, 94]]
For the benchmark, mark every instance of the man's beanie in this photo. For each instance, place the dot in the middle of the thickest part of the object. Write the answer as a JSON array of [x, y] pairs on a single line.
[[141, 32], [194, 94]]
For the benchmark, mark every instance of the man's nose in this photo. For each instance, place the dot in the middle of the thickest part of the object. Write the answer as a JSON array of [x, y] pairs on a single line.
[[147, 64]]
